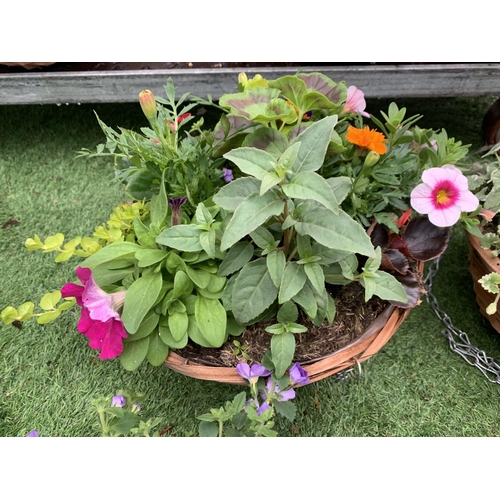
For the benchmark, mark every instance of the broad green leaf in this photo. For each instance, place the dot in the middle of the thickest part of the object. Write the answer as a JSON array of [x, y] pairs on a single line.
[[139, 185], [183, 285], [288, 313], [269, 181], [262, 237], [140, 298], [282, 351], [9, 315], [114, 251], [286, 409], [238, 255], [207, 241], [253, 291], [149, 323], [250, 214], [338, 233], [134, 353], [159, 207], [195, 334], [314, 142], [211, 319], [311, 186], [185, 237], [49, 300], [199, 277], [147, 257], [292, 281], [178, 324], [267, 139], [105, 275], [385, 286], [276, 262], [230, 196], [168, 339], [252, 161], [208, 429], [48, 316], [250, 103], [157, 351], [316, 276], [53, 242], [306, 299], [25, 310]]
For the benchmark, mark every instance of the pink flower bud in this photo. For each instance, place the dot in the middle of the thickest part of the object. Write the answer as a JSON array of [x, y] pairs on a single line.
[[148, 104]]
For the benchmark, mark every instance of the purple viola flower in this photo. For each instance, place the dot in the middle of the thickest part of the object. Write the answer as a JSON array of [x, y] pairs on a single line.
[[273, 390], [262, 408], [298, 376], [227, 174], [176, 204], [118, 401], [136, 408], [252, 373], [33, 434]]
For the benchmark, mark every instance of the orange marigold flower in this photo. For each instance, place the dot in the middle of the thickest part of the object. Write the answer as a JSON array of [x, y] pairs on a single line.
[[366, 138]]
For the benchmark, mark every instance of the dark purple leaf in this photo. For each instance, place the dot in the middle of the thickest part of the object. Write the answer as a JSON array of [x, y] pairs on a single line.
[[412, 283], [424, 240], [394, 260], [380, 236]]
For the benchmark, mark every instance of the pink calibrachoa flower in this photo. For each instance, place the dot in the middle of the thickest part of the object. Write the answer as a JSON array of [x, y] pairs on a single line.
[[99, 318], [355, 102], [443, 196]]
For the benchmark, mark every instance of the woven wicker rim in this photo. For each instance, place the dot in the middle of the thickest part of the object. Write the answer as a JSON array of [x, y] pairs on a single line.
[[376, 335], [480, 263]]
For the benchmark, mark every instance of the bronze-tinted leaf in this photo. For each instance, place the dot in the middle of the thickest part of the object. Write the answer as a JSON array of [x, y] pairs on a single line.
[[394, 260], [412, 284], [424, 240]]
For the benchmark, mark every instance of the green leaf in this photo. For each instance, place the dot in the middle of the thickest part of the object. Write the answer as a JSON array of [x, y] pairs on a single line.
[[311, 186], [236, 258], [107, 274], [250, 214], [276, 262], [159, 206], [53, 242], [305, 298], [157, 351], [316, 276], [184, 237], [25, 310], [282, 351], [262, 238], [269, 181], [314, 143], [208, 429], [253, 291], [288, 313], [9, 315], [149, 323], [199, 277], [230, 196], [134, 353], [195, 334], [178, 324], [183, 285], [252, 161], [286, 409], [140, 298], [207, 241], [292, 281], [49, 300], [47, 317], [211, 319], [139, 185], [147, 257], [385, 286], [338, 233], [118, 250]]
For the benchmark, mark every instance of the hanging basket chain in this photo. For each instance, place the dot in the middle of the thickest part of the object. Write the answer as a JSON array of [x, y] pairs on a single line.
[[459, 340]]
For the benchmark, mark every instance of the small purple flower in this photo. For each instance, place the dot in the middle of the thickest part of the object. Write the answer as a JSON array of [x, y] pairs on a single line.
[[176, 204], [273, 390], [136, 408], [33, 434], [262, 408], [298, 376], [118, 401], [252, 373], [227, 174]]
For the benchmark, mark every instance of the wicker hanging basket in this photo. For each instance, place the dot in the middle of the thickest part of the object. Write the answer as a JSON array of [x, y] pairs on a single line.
[[480, 263], [376, 335]]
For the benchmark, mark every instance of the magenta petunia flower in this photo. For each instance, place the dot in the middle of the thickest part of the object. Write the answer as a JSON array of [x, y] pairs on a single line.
[[298, 376], [443, 195], [252, 373], [355, 102], [99, 318]]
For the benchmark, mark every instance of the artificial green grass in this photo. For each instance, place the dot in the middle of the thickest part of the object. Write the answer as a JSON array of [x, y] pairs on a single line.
[[415, 386]]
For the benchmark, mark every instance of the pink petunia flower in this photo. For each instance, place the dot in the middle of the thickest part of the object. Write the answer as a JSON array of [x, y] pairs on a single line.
[[443, 196], [99, 318], [355, 102]]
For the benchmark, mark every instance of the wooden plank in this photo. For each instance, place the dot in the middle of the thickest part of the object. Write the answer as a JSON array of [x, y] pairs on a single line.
[[378, 81]]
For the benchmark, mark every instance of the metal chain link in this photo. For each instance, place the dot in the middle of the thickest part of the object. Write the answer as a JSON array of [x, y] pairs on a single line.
[[458, 340]]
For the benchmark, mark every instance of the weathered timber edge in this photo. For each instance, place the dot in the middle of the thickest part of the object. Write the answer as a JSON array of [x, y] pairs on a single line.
[[377, 81]]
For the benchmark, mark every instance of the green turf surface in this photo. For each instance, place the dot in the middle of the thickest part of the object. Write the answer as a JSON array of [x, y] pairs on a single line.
[[415, 386]]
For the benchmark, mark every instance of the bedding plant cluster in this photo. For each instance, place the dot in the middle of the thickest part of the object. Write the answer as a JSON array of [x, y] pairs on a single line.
[[258, 219]]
